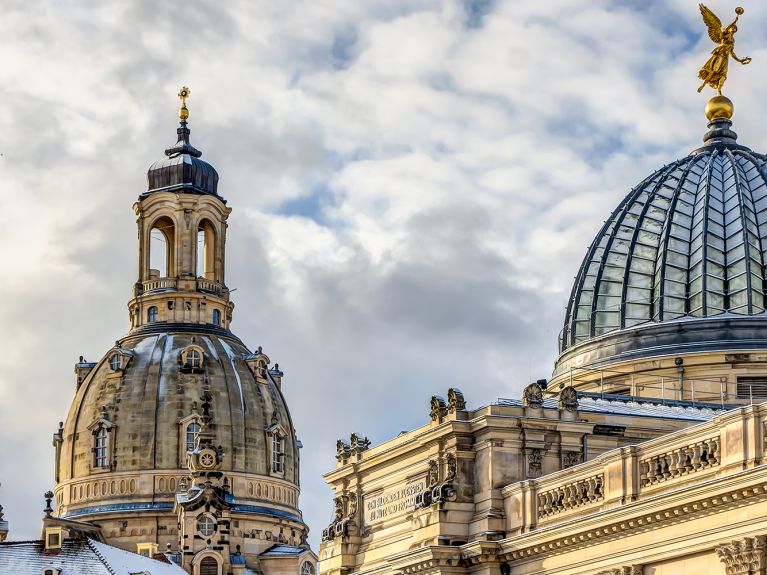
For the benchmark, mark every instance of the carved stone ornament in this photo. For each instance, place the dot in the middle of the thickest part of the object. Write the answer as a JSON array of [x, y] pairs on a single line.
[[534, 462], [358, 443], [568, 399], [438, 408], [432, 476], [437, 492], [455, 400], [343, 450], [344, 513], [451, 467], [570, 458], [532, 396], [743, 557]]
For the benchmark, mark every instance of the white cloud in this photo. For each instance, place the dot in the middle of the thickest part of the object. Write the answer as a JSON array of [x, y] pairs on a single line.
[[412, 193]]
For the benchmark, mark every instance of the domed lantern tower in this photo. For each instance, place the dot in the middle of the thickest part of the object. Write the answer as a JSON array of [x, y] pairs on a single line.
[[670, 301], [179, 405]]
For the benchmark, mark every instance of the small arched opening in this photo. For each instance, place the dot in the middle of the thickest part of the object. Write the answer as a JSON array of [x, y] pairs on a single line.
[[162, 245], [208, 566], [206, 250]]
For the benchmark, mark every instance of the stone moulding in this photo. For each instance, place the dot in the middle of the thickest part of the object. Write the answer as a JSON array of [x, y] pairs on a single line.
[[747, 487]]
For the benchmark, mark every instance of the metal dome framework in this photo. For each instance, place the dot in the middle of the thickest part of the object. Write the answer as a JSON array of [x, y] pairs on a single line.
[[690, 241]]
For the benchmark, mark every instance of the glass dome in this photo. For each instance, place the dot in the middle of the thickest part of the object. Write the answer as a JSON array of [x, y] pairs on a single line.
[[690, 241]]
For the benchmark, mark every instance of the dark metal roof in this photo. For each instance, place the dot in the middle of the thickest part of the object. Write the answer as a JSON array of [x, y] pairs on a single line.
[[690, 241], [632, 407], [182, 170]]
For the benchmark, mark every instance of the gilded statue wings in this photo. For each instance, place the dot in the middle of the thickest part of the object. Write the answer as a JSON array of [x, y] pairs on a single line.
[[713, 24]]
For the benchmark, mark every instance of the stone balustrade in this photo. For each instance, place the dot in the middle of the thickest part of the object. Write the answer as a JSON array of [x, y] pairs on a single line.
[[680, 461], [159, 283], [570, 495], [729, 443], [208, 286]]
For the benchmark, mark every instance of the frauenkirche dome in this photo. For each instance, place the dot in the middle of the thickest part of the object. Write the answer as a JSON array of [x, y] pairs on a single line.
[[180, 434]]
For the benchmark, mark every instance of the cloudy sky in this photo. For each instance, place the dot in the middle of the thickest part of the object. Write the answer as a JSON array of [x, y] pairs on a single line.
[[414, 184]]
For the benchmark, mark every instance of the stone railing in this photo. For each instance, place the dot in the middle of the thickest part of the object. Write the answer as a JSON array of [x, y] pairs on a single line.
[[208, 286], [158, 284], [680, 461], [727, 444], [570, 495]]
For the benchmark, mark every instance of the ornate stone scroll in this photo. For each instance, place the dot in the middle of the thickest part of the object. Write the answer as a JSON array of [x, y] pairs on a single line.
[[439, 491], [344, 518], [455, 400], [438, 408]]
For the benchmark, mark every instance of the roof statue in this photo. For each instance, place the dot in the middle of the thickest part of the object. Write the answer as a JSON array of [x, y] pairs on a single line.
[[714, 71]]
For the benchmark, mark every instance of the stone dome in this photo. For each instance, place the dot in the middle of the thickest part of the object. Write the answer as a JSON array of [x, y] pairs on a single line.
[[144, 392], [680, 261], [182, 169]]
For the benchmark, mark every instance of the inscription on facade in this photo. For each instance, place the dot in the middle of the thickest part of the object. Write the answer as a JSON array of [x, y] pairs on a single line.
[[393, 502]]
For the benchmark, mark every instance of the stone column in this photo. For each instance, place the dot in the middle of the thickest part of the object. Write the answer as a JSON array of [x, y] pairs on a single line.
[[744, 556]]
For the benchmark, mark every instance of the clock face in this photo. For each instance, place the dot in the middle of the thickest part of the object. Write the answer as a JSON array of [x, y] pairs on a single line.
[[207, 459]]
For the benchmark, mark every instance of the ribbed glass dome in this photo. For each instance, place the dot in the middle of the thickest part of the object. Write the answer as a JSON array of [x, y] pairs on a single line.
[[690, 241]]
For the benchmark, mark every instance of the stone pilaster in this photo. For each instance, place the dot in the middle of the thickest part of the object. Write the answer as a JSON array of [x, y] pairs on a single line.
[[744, 556]]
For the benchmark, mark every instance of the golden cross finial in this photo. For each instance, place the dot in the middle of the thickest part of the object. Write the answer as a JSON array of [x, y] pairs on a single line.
[[183, 93]]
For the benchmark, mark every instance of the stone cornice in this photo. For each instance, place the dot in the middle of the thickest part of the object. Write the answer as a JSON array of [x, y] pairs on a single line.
[[743, 488], [433, 559], [386, 453]]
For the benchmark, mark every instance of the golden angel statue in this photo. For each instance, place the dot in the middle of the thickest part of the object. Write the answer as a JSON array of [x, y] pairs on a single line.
[[714, 72]]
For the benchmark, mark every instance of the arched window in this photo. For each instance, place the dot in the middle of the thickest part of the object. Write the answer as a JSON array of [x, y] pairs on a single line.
[[151, 314], [114, 362], [101, 448], [216, 317], [206, 250], [192, 431], [277, 453], [206, 525], [193, 358], [307, 568], [209, 566], [161, 248]]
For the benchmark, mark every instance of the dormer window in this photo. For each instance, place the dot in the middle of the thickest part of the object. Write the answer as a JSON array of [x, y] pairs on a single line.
[[307, 568], [192, 359], [278, 453], [115, 362], [192, 431], [53, 539], [216, 317], [100, 448], [151, 314]]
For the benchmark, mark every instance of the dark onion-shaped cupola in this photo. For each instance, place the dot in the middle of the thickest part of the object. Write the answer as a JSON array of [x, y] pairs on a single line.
[[182, 170]]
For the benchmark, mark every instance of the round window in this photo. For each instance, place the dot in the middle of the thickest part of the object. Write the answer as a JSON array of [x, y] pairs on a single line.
[[206, 525]]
